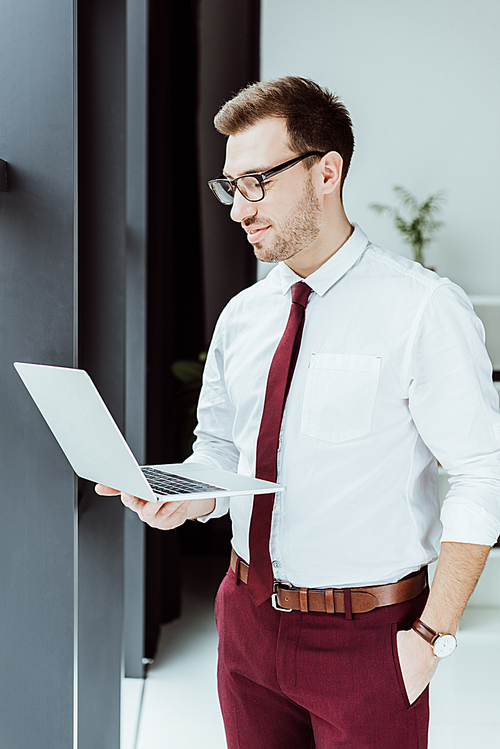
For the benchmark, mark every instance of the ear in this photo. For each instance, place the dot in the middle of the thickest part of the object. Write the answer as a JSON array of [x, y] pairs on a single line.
[[331, 171]]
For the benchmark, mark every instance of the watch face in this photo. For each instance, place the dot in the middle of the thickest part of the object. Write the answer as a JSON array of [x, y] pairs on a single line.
[[444, 646]]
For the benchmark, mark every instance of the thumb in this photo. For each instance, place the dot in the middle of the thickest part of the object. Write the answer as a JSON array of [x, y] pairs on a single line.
[[105, 491]]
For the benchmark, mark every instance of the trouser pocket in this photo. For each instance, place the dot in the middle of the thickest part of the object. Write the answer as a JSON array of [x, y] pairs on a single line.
[[399, 673]]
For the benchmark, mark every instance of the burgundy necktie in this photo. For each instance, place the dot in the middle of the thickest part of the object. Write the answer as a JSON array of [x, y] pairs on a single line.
[[260, 576]]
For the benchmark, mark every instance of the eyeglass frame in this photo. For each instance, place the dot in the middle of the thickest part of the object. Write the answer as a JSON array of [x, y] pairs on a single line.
[[261, 177]]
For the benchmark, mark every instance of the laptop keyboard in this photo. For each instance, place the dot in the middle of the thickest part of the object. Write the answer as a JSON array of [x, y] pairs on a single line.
[[165, 483]]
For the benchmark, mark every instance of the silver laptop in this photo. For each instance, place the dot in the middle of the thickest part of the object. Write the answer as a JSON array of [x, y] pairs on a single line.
[[89, 437]]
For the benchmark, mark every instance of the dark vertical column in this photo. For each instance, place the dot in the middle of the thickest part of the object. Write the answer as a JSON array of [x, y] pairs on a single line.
[[136, 319], [228, 61], [175, 303], [175, 286], [102, 351], [37, 530], [198, 53]]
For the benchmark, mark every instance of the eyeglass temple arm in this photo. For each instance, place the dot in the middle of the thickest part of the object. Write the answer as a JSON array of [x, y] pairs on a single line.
[[261, 177], [287, 165]]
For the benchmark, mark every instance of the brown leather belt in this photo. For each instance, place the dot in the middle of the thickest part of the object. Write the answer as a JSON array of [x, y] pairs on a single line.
[[339, 600]]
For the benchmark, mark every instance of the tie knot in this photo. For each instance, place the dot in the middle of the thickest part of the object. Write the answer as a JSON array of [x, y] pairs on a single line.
[[300, 293]]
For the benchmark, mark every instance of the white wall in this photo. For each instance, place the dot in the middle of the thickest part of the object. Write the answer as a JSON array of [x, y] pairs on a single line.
[[422, 83]]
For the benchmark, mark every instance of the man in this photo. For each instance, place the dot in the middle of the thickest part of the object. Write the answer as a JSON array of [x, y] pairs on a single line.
[[386, 369]]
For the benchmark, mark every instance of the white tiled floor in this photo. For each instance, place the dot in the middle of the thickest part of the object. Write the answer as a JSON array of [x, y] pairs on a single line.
[[179, 700], [179, 703]]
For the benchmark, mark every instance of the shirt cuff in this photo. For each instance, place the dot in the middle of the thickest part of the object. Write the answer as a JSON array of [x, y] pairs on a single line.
[[468, 524], [221, 507]]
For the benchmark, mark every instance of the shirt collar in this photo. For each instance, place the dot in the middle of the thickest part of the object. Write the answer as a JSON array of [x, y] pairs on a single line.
[[330, 272]]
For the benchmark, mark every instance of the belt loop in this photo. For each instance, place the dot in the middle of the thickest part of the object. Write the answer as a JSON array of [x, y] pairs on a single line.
[[347, 603], [238, 562], [329, 601], [304, 604]]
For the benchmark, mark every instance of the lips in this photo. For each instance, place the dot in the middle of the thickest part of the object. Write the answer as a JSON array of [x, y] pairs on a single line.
[[256, 233]]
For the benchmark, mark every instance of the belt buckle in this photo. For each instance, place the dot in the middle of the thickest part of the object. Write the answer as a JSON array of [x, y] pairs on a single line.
[[274, 596]]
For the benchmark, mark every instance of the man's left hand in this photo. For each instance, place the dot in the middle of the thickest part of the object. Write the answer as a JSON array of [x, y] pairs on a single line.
[[418, 662], [162, 515]]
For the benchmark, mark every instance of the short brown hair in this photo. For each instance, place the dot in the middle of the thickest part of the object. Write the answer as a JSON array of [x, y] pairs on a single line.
[[316, 120]]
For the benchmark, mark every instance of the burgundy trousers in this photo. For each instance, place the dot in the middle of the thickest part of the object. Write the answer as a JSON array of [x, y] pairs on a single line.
[[292, 680]]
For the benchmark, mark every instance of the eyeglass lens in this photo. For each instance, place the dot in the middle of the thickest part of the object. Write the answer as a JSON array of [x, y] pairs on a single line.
[[223, 190], [250, 187]]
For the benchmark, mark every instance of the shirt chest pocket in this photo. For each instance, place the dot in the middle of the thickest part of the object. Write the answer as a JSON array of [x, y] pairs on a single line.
[[339, 396]]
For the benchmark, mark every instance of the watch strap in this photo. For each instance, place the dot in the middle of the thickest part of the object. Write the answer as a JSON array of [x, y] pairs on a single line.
[[428, 634]]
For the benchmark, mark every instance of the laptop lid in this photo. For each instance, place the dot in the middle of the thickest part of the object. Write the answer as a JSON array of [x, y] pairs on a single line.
[[88, 435]]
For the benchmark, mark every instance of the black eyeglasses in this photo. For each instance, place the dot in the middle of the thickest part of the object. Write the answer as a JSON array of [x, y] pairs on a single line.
[[251, 186]]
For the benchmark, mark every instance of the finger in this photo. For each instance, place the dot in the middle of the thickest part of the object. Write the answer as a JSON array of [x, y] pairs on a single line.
[[134, 503], [147, 511], [160, 509], [177, 517], [163, 515], [105, 491], [167, 516]]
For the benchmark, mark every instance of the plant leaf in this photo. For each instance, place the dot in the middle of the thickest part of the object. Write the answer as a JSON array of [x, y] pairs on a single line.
[[421, 226], [381, 208], [406, 197], [187, 372]]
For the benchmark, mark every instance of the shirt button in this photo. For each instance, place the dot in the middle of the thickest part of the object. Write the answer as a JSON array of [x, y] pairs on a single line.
[[276, 565], [276, 505]]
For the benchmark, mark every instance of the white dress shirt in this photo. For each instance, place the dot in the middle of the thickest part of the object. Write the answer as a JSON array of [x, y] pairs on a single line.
[[392, 373]]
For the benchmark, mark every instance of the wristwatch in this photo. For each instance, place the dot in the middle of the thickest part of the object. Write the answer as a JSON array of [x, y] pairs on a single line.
[[442, 645]]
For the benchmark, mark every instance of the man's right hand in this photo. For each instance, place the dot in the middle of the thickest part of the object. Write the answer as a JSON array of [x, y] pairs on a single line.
[[162, 515]]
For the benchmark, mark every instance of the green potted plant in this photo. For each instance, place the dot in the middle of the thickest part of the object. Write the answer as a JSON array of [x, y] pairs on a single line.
[[189, 375], [422, 224]]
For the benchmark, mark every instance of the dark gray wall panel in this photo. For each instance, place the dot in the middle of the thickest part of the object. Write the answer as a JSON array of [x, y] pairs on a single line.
[[135, 338], [228, 60], [36, 324], [101, 344], [100, 621]]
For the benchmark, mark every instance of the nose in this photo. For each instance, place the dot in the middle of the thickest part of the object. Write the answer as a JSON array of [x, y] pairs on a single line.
[[242, 208]]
